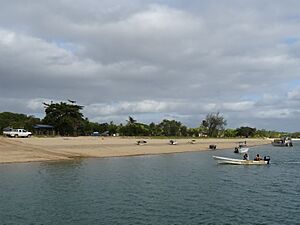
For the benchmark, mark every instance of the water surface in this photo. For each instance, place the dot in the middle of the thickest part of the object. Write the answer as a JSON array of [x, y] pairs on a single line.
[[186, 188]]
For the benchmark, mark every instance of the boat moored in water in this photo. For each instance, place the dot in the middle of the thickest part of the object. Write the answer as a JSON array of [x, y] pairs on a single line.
[[232, 161], [241, 148], [283, 142], [173, 142]]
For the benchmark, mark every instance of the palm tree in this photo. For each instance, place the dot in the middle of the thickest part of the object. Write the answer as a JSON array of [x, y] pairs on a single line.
[[131, 121]]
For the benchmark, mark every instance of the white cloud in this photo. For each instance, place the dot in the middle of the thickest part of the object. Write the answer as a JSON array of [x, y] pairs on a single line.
[[145, 106], [275, 113], [238, 106], [37, 104], [152, 106], [34, 55], [294, 94], [6, 38]]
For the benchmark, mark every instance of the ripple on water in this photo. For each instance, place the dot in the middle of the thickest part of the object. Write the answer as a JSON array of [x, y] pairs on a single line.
[[170, 189]]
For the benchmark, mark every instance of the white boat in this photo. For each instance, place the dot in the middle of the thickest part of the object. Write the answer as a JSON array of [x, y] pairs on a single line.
[[241, 148], [142, 142], [283, 142], [172, 142], [225, 160]]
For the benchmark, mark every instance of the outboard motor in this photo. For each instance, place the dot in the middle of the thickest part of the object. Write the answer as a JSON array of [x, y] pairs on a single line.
[[267, 158]]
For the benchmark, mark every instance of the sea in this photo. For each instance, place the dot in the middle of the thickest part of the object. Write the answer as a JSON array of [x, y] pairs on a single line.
[[183, 188]]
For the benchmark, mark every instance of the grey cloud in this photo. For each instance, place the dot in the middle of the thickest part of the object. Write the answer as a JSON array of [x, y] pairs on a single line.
[[154, 59]]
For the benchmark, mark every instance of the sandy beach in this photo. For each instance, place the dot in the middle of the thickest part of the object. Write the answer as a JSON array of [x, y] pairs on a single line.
[[32, 149]]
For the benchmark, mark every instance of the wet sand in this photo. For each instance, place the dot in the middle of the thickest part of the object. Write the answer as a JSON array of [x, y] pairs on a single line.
[[32, 149]]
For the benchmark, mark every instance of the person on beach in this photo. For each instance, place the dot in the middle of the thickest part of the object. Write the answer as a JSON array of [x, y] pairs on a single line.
[[257, 158], [246, 156]]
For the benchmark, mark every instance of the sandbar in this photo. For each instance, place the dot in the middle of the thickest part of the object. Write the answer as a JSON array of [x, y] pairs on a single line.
[[14, 150]]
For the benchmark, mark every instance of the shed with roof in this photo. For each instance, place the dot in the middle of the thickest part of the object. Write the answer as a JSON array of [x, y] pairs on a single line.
[[43, 129]]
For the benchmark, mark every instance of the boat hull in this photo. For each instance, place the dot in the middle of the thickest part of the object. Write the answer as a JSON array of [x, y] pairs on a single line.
[[282, 144], [224, 160]]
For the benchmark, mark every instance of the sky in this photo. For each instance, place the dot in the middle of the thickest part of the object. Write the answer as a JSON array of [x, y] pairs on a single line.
[[154, 59]]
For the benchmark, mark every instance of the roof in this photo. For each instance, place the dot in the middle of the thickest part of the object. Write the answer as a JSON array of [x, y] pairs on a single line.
[[41, 126], [7, 129]]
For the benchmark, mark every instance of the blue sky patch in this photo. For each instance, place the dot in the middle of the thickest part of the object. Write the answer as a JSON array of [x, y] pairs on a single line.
[[291, 40]]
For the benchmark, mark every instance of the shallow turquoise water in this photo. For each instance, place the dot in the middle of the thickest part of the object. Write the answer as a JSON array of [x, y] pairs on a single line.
[[188, 188]]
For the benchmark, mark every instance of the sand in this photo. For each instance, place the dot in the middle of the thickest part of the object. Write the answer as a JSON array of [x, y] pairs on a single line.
[[32, 149]]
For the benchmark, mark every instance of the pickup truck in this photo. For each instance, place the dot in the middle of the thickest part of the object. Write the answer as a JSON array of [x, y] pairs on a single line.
[[17, 133]]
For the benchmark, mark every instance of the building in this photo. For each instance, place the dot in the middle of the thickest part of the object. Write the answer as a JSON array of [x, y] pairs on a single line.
[[43, 129]]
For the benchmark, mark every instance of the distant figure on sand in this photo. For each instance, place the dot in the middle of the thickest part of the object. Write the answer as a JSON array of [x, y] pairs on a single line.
[[246, 156], [257, 158]]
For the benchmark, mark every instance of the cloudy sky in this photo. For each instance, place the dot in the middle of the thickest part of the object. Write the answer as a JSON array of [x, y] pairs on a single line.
[[154, 59]]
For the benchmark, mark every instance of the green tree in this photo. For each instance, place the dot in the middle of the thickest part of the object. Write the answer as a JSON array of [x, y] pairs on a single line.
[[246, 131], [132, 128], [131, 120], [113, 128], [87, 127], [17, 120], [213, 124], [183, 131], [154, 129], [170, 127], [295, 135], [66, 118], [230, 133], [193, 132]]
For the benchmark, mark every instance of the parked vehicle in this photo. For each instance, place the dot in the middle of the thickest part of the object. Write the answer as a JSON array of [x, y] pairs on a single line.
[[17, 133], [96, 133]]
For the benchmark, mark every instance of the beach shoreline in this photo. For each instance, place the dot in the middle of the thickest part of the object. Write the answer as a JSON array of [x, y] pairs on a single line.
[[40, 149]]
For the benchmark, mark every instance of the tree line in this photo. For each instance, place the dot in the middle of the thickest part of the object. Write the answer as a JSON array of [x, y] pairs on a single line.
[[67, 120]]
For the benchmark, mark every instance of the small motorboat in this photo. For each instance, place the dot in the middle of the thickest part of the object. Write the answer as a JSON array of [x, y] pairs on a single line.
[[241, 148], [225, 160], [192, 142], [283, 142], [142, 142], [173, 142], [212, 147]]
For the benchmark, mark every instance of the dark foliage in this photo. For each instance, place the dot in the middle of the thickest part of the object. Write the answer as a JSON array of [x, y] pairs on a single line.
[[13, 120]]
